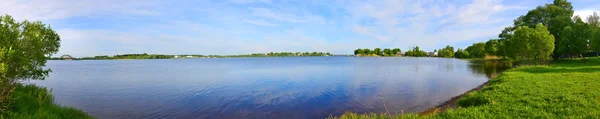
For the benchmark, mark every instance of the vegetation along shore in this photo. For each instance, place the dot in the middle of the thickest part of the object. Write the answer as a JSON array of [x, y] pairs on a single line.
[[558, 79], [24, 47], [161, 56]]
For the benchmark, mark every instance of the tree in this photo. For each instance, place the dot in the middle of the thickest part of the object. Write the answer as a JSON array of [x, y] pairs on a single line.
[[501, 47], [555, 16], [491, 47], [24, 48], [367, 52], [476, 50], [595, 41], [573, 40], [448, 52], [460, 53], [377, 51], [387, 52], [531, 43], [416, 52], [359, 51], [395, 51], [594, 20]]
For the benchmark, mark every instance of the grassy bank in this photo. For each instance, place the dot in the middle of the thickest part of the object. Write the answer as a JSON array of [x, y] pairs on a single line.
[[563, 89], [32, 102]]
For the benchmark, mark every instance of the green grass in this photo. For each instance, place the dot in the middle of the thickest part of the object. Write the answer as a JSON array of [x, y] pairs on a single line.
[[29, 103], [563, 89]]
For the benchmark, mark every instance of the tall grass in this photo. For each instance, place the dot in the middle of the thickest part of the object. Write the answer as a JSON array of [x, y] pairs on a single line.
[[32, 102], [563, 89]]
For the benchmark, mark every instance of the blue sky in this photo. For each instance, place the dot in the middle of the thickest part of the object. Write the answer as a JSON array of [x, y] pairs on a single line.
[[109, 27]]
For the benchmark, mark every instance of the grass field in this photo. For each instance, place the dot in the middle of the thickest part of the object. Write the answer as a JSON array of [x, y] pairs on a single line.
[[563, 89], [32, 102]]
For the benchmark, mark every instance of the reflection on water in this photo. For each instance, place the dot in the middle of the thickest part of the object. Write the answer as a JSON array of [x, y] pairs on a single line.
[[489, 68], [305, 87]]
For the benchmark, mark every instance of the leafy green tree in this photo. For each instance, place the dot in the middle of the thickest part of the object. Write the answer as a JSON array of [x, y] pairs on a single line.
[[387, 52], [491, 47], [377, 51], [594, 22], [460, 53], [24, 47], [416, 52], [595, 41], [573, 40], [367, 52], [476, 50], [359, 51], [395, 51], [448, 52], [531, 43], [555, 16], [501, 47]]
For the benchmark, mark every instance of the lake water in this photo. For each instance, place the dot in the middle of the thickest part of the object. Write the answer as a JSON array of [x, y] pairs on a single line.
[[290, 87]]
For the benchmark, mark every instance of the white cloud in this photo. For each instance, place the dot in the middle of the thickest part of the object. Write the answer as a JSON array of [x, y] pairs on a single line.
[[585, 13], [260, 22], [284, 17], [429, 24], [62, 9]]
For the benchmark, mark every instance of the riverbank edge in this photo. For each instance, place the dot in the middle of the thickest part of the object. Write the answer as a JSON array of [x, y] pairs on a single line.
[[36, 102], [453, 102]]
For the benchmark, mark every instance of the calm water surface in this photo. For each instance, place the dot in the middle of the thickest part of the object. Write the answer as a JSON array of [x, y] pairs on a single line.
[[294, 87]]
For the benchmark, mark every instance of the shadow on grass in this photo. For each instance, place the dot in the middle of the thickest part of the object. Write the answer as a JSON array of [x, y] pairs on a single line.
[[566, 66], [537, 70]]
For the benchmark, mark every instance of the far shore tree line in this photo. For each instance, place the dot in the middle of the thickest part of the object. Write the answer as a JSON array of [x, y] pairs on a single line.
[[377, 52], [547, 32], [161, 56]]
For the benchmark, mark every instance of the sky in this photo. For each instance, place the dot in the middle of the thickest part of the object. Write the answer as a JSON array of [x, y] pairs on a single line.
[[227, 27]]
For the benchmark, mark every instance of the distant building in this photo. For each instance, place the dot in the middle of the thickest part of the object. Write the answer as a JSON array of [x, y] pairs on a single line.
[[66, 57], [432, 54]]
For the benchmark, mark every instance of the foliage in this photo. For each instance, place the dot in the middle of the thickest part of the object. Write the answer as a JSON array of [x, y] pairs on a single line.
[[387, 52], [476, 50], [460, 53], [594, 22], [531, 43], [34, 102], [448, 52], [367, 51], [565, 89], [555, 17], [377, 52], [395, 51], [416, 52], [595, 40], [491, 47], [573, 39], [24, 48]]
